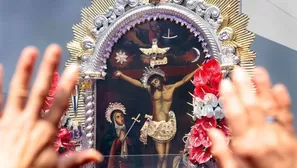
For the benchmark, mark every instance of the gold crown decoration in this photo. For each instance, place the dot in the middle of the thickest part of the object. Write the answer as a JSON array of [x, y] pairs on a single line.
[[148, 72], [111, 108]]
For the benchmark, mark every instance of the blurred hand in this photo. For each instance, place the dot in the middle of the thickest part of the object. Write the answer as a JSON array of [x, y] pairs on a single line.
[[26, 138], [257, 142]]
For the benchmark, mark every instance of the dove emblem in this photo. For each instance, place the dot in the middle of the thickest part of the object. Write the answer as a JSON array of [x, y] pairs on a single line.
[[154, 49]]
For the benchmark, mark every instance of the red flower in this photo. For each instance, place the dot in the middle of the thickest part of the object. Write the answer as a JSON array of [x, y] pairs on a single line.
[[52, 92], [199, 155], [200, 77], [207, 123], [212, 67], [201, 90], [207, 79], [198, 135], [63, 140]]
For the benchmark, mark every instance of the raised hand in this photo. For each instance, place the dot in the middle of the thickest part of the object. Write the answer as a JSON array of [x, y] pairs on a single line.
[[261, 124], [117, 73], [26, 138]]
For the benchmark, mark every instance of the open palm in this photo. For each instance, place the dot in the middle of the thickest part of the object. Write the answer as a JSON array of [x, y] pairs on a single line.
[[26, 138]]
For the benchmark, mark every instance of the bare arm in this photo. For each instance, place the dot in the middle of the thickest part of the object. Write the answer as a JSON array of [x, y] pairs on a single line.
[[128, 79], [184, 80]]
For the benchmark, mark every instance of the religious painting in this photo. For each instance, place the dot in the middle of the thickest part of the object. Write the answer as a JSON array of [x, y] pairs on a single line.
[[148, 71], [159, 93]]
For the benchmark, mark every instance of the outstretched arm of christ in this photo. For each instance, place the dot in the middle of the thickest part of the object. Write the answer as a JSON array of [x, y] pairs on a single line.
[[128, 79], [184, 80], [133, 37]]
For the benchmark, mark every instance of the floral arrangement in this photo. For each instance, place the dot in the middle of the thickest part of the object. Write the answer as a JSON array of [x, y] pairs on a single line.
[[63, 142], [207, 113]]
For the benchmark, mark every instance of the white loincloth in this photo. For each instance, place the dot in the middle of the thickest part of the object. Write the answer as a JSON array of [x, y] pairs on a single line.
[[160, 131]]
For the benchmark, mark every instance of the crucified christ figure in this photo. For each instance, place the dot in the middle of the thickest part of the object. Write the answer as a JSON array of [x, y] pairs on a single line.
[[161, 126]]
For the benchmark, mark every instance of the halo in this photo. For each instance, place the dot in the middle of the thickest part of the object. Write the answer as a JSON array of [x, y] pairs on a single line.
[[149, 72], [111, 108]]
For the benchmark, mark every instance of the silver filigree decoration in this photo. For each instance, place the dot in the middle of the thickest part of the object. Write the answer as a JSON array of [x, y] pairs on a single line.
[[210, 13], [101, 22], [90, 117], [213, 16], [112, 18], [110, 15], [85, 67], [109, 12], [119, 9], [178, 1], [192, 4], [122, 2], [88, 43], [85, 146], [100, 25], [228, 56], [85, 61], [202, 4], [133, 3], [226, 34]]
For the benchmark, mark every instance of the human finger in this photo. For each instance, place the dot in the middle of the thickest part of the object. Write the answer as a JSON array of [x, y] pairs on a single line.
[[65, 88], [47, 158], [76, 159], [39, 139], [220, 149], [244, 89], [19, 86], [233, 108], [264, 92], [282, 96], [43, 81], [284, 115]]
